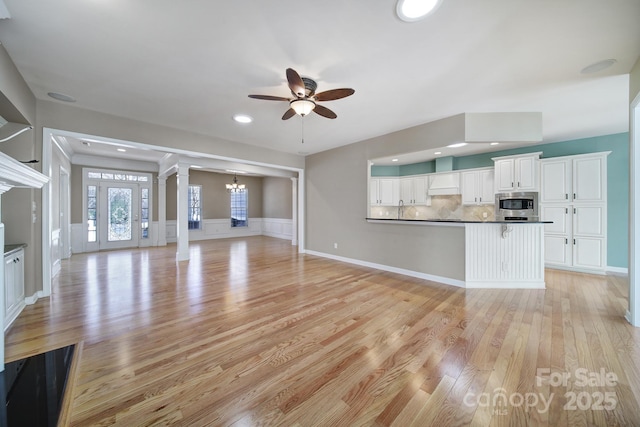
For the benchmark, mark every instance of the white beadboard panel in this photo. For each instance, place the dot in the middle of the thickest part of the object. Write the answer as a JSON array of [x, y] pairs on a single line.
[[277, 227], [217, 229], [510, 259]]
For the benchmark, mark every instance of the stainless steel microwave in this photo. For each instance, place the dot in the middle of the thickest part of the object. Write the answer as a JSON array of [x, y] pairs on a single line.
[[517, 206]]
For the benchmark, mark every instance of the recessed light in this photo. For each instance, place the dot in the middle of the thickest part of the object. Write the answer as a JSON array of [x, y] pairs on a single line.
[[394, 160], [122, 150], [61, 97], [414, 10], [494, 143], [242, 118], [459, 144], [438, 152], [598, 66]]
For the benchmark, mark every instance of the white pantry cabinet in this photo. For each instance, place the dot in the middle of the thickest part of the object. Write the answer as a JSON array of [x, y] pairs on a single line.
[[516, 173], [574, 196], [478, 186], [413, 190], [384, 191], [13, 286]]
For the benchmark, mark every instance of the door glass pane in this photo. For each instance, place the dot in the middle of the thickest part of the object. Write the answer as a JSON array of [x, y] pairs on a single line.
[[119, 200], [144, 214], [92, 195]]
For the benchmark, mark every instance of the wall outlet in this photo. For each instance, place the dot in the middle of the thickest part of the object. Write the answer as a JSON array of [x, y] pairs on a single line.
[[335, 246]]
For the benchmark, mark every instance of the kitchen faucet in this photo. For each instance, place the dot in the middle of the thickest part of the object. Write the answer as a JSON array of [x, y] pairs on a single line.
[[400, 209]]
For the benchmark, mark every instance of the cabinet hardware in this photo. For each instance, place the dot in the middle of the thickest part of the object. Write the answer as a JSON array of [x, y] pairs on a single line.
[[566, 196], [480, 198], [566, 241], [566, 210], [574, 196], [574, 241], [574, 210], [475, 199], [512, 183], [518, 184]]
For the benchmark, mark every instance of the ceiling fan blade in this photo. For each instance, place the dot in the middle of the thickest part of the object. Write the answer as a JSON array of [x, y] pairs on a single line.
[[295, 83], [269, 97], [334, 94], [325, 112], [288, 114]]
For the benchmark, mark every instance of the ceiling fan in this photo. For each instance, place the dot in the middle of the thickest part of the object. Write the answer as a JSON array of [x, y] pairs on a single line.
[[305, 97]]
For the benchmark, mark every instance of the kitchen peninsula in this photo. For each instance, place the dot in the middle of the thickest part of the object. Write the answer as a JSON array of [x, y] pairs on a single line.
[[497, 254]]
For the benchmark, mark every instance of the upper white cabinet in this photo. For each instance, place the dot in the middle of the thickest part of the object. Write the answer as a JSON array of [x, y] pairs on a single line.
[[579, 178], [413, 190], [384, 191], [516, 173], [478, 186]]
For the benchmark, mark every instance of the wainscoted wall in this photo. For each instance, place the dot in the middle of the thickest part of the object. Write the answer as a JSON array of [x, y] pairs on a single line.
[[56, 252], [211, 229], [442, 207]]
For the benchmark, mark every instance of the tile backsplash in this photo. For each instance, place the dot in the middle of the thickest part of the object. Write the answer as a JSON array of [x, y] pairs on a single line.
[[442, 207]]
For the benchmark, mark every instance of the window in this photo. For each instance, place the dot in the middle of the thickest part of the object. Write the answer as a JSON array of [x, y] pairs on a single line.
[[144, 213], [239, 209], [195, 207]]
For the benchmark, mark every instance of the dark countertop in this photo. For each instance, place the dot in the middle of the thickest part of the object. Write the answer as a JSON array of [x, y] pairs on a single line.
[[9, 249], [457, 221]]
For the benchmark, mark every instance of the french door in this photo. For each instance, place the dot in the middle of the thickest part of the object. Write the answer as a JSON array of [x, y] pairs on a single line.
[[117, 210], [119, 215]]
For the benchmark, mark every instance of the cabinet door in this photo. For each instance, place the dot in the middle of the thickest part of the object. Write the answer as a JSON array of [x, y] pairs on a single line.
[[374, 190], [557, 250], [588, 221], [406, 190], [18, 277], [420, 190], [504, 175], [525, 173], [486, 192], [588, 252], [388, 191], [9, 288], [587, 178], [561, 218], [556, 181], [469, 188]]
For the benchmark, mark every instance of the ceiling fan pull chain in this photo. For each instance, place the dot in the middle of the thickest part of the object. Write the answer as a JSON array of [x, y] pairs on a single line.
[[302, 118]]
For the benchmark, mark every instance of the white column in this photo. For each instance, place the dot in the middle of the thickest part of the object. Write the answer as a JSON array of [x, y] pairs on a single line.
[[162, 211], [182, 209], [294, 211], [633, 316]]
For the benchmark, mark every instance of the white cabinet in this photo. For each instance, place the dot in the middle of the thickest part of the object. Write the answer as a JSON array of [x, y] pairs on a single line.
[[413, 190], [516, 173], [579, 178], [383, 191], [574, 196], [478, 187], [13, 286]]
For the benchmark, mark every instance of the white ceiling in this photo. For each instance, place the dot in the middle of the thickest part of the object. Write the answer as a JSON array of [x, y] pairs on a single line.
[[191, 64]]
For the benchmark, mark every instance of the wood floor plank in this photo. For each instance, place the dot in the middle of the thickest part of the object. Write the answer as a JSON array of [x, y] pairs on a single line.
[[249, 332]]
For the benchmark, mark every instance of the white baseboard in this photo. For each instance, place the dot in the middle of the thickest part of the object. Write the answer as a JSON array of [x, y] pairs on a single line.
[[505, 285], [622, 271], [33, 298], [410, 273]]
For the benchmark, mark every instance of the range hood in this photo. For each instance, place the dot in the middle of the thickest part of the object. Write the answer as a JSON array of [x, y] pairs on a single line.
[[9, 130], [444, 184]]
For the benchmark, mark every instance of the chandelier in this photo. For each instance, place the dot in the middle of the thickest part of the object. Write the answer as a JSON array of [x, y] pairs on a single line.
[[235, 187]]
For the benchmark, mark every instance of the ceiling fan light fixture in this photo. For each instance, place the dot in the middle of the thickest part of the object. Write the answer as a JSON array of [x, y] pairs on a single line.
[[414, 10], [302, 107]]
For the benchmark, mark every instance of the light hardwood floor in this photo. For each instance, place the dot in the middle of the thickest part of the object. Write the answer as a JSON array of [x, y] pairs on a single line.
[[248, 332]]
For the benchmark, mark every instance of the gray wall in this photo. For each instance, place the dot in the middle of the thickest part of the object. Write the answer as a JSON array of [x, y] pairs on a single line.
[[215, 199], [337, 203], [277, 200]]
